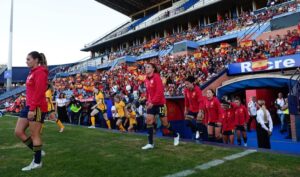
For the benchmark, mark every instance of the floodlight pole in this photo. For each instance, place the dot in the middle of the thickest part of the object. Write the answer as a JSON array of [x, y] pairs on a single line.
[[9, 62]]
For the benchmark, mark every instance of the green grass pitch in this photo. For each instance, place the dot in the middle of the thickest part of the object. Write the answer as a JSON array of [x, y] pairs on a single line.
[[82, 152]]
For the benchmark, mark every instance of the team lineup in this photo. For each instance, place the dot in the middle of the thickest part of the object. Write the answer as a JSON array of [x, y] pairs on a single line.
[[215, 121]]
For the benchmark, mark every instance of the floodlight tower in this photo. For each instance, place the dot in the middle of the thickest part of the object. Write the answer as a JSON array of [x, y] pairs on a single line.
[[9, 62]]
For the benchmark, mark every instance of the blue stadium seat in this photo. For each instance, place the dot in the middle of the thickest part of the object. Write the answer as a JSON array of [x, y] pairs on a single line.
[[188, 4]]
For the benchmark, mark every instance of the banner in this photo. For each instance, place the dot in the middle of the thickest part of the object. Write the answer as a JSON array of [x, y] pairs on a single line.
[[284, 62]]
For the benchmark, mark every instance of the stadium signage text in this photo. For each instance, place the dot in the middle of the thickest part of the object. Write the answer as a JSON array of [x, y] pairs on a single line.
[[273, 64]]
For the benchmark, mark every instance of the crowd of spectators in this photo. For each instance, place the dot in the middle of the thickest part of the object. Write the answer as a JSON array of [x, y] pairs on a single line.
[[222, 26], [228, 24], [205, 63]]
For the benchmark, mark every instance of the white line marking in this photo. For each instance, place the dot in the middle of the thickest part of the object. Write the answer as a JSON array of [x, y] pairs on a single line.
[[209, 164], [182, 173], [239, 155], [212, 163]]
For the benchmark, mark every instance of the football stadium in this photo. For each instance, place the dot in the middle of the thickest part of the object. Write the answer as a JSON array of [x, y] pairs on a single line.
[[184, 88]]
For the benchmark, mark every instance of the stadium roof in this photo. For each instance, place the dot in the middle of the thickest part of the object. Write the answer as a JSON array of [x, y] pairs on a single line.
[[130, 7]]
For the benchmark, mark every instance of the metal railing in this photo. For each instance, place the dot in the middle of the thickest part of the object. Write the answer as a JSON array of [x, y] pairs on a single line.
[[251, 31], [294, 93]]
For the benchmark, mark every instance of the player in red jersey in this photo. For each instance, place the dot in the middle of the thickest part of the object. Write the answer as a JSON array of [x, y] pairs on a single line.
[[213, 115], [194, 102], [241, 117], [156, 104], [228, 122], [33, 114]]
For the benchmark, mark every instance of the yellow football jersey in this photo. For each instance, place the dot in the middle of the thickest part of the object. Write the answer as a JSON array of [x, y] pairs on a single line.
[[132, 117], [120, 108], [100, 101], [49, 100]]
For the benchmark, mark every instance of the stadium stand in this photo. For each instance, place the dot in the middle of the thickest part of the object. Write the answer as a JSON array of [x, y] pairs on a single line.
[[247, 24], [211, 62], [161, 15]]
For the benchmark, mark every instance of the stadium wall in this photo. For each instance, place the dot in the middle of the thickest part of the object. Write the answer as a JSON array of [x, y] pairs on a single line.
[[285, 21], [19, 74], [295, 127]]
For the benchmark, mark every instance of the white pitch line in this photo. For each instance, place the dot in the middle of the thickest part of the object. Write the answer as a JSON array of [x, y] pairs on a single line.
[[212, 163], [239, 155], [209, 164]]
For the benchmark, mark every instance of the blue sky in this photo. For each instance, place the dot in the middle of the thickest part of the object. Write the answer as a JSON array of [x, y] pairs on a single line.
[[58, 28]]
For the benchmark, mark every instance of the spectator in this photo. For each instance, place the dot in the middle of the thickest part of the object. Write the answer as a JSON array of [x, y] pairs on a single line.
[[285, 110], [252, 108], [75, 108], [61, 108], [279, 103], [264, 126]]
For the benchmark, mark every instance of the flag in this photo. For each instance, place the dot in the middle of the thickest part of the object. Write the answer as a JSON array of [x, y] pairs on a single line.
[[259, 64], [224, 45], [247, 43], [197, 55], [142, 77], [131, 68]]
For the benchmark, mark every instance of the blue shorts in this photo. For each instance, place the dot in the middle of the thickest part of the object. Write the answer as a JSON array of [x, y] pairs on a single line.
[[39, 115]]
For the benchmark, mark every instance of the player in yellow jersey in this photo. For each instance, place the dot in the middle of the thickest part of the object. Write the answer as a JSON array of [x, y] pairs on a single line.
[[131, 115], [120, 105], [51, 110], [100, 107]]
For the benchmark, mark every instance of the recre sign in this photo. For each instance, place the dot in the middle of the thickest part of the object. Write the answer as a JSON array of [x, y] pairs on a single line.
[[273, 64]]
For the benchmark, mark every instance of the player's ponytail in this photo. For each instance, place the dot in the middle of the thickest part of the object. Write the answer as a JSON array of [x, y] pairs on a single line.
[[42, 61]]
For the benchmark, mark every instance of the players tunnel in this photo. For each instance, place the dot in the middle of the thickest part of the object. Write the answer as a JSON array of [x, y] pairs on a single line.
[[262, 86], [265, 86]]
